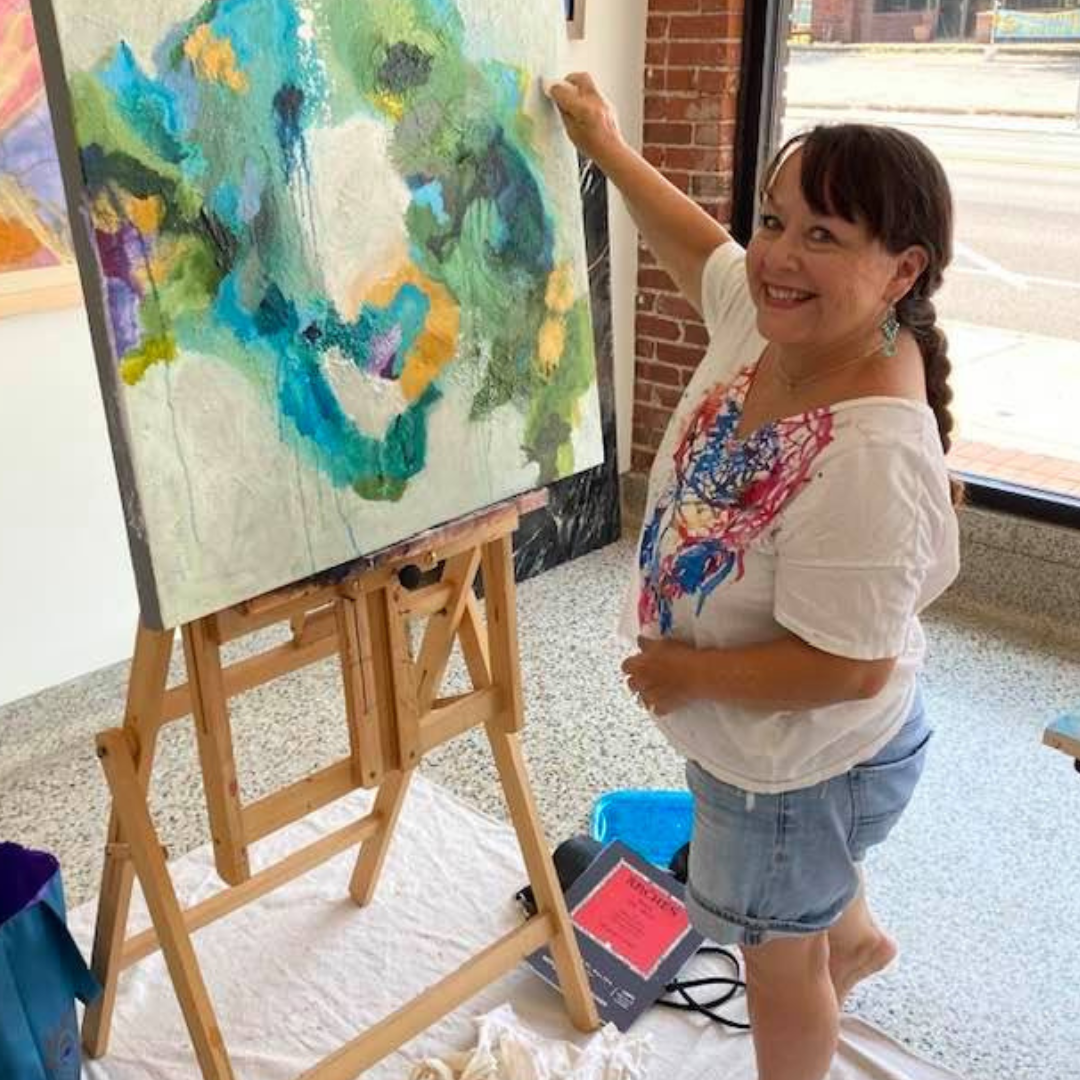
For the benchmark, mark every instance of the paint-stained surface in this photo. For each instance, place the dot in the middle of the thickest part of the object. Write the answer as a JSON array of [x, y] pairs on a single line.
[[343, 275], [33, 223]]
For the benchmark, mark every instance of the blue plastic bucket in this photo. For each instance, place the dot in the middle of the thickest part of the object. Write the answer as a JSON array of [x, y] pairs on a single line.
[[654, 823]]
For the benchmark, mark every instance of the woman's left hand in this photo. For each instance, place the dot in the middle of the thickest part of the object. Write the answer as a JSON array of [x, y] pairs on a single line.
[[663, 675]]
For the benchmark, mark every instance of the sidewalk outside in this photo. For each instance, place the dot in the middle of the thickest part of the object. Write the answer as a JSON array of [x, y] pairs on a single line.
[[973, 80], [1011, 424]]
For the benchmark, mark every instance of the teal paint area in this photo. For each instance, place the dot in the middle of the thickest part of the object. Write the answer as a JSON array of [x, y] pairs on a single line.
[[197, 164]]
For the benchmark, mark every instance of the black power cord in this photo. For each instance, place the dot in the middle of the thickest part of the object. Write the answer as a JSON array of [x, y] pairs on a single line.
[[689, 1003]]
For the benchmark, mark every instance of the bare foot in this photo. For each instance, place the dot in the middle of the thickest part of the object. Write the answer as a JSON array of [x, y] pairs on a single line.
[[848, 969]]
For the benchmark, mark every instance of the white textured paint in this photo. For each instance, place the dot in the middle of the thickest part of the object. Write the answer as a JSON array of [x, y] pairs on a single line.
[[360, 203], [96, 27], [370, 400]]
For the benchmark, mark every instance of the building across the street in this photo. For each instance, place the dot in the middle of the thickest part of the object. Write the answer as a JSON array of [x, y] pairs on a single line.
[[851, 21]]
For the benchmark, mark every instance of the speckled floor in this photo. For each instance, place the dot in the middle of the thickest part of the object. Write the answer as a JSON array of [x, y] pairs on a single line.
[[981, 882]]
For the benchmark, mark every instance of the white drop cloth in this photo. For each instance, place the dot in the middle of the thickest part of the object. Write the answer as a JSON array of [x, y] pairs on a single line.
[[302, 971]]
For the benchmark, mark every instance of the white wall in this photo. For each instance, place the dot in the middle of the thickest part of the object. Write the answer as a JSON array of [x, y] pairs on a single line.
[[613, 52], [67, 597]]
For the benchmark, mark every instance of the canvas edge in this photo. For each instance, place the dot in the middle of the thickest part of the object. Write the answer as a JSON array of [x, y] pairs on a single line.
[[56, 89]]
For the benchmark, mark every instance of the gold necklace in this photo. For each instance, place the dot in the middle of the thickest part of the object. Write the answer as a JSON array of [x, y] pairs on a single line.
[[793, 384]]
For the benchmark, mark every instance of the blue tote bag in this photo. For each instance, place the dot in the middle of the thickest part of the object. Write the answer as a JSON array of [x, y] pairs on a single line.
[[42, 971]]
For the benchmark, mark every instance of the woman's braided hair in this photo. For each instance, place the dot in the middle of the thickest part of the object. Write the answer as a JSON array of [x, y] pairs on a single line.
[[892, 184]]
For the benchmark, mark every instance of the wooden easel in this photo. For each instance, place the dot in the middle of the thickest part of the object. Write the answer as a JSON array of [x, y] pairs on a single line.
[[394, 716]]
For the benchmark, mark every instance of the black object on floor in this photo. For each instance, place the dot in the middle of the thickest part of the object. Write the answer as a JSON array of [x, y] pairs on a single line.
[[573, 857]]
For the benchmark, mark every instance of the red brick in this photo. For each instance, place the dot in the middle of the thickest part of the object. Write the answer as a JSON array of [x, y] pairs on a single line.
[[657, 373], [675, 5], [656, 396], [694, 54], [680, 355], [668, 134], [695, 334], [677, 307], [707, 134], [656, 26], [656, 279], [691, 158], [663, 329], [656, 52], [697, 27]]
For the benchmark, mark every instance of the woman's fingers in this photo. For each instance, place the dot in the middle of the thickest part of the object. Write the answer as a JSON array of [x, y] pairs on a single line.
[[583, 81]]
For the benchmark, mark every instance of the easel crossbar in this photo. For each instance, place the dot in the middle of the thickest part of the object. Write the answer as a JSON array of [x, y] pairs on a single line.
[[228, 900], [445, 996]]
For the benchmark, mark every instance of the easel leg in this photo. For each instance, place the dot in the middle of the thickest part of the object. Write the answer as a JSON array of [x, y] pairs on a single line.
[[369, 864], [505, 746], [142, 716], [519, 798], [210, 705], [146, 853]]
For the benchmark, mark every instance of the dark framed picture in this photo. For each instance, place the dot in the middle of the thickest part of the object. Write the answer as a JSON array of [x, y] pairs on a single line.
[[575, 18]]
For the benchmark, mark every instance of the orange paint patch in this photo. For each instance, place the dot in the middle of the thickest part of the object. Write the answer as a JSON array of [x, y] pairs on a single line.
[[18, 244]]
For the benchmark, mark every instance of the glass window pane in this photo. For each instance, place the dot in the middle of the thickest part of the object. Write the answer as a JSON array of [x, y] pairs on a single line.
[[1001, 108]]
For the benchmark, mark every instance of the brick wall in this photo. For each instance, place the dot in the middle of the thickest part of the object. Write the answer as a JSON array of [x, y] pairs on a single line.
[[833, 20], [692, 59]]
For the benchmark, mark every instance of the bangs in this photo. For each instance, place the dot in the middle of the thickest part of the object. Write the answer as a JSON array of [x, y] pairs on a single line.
[[841, 175]]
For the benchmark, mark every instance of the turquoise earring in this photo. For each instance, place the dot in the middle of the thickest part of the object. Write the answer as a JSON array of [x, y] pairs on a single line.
[[890, 331]]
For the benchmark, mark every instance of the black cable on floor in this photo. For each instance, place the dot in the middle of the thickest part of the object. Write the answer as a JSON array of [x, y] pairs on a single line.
[[689, 1003]]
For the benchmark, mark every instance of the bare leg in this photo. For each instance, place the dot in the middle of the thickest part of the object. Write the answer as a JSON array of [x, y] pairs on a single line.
[[794, 1016], [858, 947]]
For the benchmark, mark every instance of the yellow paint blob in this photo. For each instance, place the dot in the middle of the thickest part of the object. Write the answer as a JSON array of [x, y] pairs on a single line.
[[560, 289], [145, 214], [551, 346], [391, 104], [214, 59], [156, 350]]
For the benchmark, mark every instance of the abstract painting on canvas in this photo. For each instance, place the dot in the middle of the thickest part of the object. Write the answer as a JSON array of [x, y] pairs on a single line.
[[340, 292], [37, 268]]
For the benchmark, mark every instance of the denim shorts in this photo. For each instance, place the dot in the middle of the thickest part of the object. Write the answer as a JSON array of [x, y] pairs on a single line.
[[766, 866]]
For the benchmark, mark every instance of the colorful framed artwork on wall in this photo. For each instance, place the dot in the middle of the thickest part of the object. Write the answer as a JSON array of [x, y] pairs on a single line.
[[37, 266]]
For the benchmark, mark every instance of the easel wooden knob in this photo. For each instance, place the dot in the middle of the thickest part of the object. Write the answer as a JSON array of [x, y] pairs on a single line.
[[395, 716]]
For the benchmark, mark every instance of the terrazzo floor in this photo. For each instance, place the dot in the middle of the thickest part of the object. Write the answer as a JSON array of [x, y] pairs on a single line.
[[980, 882]]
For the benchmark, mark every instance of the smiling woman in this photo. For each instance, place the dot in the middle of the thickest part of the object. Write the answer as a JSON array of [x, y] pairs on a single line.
[[798, 520]]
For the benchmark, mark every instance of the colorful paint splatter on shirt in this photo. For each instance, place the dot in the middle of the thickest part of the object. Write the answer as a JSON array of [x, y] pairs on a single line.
[[723, 491], [197, 167]]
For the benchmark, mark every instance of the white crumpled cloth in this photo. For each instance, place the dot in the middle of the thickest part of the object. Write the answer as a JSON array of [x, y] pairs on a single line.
[[508, 1050]]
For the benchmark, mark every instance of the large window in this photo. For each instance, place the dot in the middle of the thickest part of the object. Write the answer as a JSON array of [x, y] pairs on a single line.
[[1004, 119]]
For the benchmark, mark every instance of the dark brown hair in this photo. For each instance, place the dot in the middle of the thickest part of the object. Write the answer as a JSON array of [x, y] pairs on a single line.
[[890, 183]]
